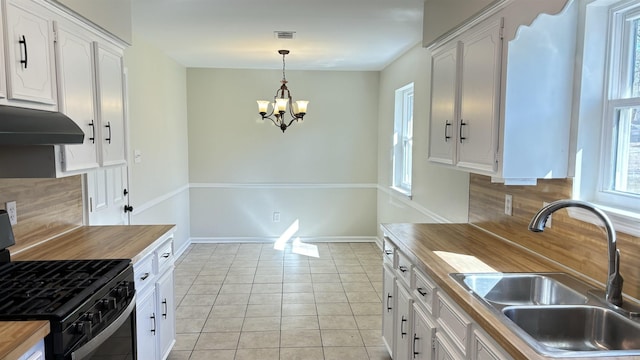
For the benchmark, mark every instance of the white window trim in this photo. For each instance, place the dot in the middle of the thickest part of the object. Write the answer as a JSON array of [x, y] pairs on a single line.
[[621, 208], [401, 96]]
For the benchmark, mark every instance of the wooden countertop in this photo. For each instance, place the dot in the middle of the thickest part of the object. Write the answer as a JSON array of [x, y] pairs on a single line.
[[88, 242], [99, 242], [16, 337], [441, 249]]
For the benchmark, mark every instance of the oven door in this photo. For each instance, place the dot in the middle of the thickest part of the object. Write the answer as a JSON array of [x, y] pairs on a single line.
[[116, 341]]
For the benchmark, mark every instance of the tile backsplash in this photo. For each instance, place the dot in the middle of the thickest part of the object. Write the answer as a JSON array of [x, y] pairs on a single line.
[[45, 207], [576, 244]]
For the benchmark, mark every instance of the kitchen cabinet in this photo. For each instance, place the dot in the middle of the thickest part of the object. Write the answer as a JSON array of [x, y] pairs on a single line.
[[109, 80], [29, 54], [428, 324], [501, 92], [107, 195], [465, 91], [156, 305], [36, 352], [77, 95]]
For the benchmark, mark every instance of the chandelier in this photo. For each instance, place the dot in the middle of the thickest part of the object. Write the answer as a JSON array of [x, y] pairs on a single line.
[[283, 104]]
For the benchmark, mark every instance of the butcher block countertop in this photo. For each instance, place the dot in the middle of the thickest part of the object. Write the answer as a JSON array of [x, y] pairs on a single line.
[[441, 249], [16, 337], [99, 242], [88, 242]]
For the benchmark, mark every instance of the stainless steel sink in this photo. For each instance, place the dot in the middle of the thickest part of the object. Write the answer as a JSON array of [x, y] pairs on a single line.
[[577, 328], [556, 314], [521, 289]]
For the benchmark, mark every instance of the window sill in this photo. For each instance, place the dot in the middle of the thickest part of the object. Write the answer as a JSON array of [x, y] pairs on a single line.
[[624, 221], [402, 192]]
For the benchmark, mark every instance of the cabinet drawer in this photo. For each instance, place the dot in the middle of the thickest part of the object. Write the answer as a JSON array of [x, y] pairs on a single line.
[[164, 256], [445, 350], [389, 253], [454, 323], [404, 269], [484, 349], [424, 290], [143, 273]]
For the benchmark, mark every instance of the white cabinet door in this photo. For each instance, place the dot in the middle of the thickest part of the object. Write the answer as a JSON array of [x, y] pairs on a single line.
[[166, 314], [146, 326], [403, 323], [76, 96], [106, 196], [388, 309], [480, 98], [444, 118], [423, 335], [109, 81], [29, 49]]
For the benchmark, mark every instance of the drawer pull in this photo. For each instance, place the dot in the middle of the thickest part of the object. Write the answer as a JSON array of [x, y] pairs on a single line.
[[415, 338], [422, 292], [165, 310], [389, 308], [388, 252], [153, 318], [145, 276], [166, 255], [403, 268]]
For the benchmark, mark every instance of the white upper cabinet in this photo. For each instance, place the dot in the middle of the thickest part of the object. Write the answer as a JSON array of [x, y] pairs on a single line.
[[29, 53], [76, 95], [109, 79], [501, 92]]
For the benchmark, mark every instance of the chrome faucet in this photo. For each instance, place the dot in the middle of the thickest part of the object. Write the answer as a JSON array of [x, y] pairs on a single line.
[[613, 292]]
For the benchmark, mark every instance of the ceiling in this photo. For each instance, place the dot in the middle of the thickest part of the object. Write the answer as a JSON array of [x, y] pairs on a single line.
[[329, 34]]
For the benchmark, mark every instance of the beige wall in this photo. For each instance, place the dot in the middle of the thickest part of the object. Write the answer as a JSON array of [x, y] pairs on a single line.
[[439, 194], [322, 171], [441, 16], [112, 15], [158, 129]]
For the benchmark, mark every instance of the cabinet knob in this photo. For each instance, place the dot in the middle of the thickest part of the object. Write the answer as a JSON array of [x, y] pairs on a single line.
[[128, 208]]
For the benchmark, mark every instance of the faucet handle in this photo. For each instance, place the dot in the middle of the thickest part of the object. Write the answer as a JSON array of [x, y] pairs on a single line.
[[614, 283]]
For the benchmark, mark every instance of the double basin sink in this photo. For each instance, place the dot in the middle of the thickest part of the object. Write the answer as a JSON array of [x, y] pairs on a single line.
[[556, 314]]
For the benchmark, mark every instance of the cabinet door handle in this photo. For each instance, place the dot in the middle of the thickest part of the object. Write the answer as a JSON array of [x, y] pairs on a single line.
[[165, 309], [108, 126], [93, 132], [462, 124], [23, 43], [402, 332], [402, 268], [415, 338], [153, 318], [166, 255], [145, 276], [388, 252], [446, 133], [422, 292], [389, 308]]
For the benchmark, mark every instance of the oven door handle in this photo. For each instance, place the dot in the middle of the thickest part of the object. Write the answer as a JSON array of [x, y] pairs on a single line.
[[94, 343]]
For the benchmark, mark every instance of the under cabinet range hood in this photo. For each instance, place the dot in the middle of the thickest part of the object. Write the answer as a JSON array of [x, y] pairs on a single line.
[[27, 139], [19, 126]]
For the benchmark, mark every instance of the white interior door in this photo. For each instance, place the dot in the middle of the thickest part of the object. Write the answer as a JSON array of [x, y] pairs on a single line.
[[106, 198]]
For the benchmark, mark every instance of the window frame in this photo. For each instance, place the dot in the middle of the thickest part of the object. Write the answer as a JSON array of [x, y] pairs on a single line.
[[402, 140]]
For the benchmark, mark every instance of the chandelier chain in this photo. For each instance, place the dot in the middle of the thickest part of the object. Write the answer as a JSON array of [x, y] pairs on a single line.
[[284, 78]]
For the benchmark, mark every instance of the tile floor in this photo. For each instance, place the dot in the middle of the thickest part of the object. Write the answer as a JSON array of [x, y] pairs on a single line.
[[251, 301]]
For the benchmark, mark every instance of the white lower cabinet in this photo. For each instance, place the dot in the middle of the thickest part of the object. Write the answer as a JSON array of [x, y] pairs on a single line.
[[35, 353], [432, 326], [146, 325], [388, 309], [423, 335], [155, 305]]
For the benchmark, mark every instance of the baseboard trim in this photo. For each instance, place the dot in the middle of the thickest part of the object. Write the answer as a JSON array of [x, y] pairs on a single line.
[[257, 239]]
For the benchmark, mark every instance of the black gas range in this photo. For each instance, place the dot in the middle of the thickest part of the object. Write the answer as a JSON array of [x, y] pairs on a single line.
[[90, 304]]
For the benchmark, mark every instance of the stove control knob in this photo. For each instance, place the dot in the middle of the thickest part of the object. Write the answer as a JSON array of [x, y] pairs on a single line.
[[79, 328], [90, 317], [105, 304]]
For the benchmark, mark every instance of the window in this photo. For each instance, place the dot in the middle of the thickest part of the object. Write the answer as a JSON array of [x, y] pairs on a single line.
[[403, 139], [620, 162]]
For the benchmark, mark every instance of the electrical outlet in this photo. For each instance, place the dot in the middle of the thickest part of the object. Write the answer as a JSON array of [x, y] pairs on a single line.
[[276, 216], [508, 204], [10, 206], [548, 223]]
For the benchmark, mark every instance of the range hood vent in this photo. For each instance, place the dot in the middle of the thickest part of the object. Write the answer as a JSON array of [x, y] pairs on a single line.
[[19, 126]]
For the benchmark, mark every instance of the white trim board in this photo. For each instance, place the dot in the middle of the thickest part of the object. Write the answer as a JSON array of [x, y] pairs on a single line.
[[156, 201], [258, 239], [280, 186], [412, 204]]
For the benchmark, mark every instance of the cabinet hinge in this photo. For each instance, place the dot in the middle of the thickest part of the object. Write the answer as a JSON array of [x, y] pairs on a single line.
[[62, 159], [433, 342], [55, 36]]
